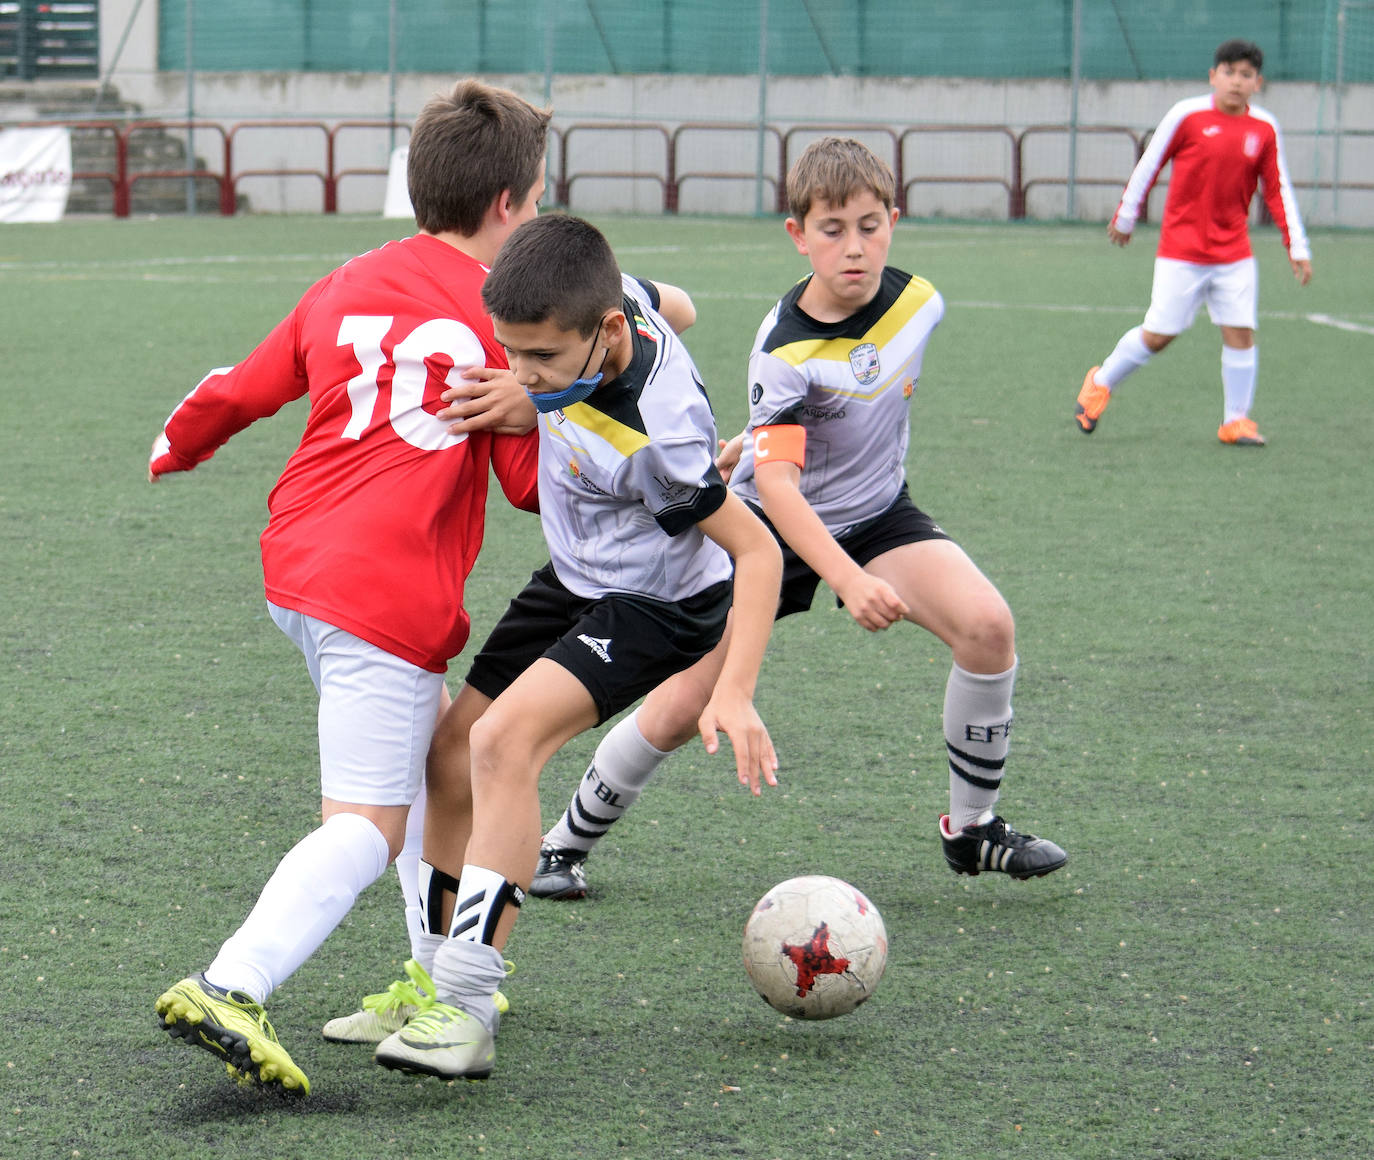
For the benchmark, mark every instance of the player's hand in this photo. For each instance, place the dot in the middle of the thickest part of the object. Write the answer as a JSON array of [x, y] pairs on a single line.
[[872, 601], [162, 460], [487, 400], [1118, 237], [1302, 270], [728, 459], [755, 758]]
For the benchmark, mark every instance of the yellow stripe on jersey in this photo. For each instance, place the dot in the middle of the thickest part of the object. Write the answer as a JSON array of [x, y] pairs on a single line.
[[917, 293], [623, 438]]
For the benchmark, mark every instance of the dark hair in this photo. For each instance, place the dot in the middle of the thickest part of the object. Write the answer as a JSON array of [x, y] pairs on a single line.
[[1232, 51], [555, 267], [466, 148], [835, 169]]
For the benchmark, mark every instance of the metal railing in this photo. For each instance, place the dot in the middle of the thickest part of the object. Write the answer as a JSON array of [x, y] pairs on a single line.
[[656, 150]]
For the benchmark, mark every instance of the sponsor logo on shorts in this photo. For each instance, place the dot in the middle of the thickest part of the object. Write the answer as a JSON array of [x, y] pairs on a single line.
[[599, 645]]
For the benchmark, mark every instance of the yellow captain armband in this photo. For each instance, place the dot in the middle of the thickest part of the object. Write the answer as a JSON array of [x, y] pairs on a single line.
[[784, 441]]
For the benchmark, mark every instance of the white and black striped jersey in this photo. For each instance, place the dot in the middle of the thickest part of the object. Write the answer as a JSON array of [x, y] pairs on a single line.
[[849, 384], [626, 475]]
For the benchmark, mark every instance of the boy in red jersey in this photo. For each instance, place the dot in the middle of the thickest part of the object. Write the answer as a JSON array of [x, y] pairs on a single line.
[[1221, 147], [374, 526]]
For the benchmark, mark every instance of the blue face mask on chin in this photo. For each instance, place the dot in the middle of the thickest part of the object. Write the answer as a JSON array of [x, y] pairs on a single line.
[[574, 393], [580, 388]]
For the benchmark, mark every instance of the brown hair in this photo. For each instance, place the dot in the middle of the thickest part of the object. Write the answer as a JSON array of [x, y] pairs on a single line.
[[466, 148], [834, 169], [554, 267]]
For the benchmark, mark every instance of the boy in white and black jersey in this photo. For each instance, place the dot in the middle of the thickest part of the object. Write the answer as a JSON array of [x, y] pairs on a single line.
[[641, 531], [834, 366]]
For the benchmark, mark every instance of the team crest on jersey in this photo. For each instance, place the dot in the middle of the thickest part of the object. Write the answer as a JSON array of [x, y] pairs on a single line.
[[863, 361], [1252, 144]]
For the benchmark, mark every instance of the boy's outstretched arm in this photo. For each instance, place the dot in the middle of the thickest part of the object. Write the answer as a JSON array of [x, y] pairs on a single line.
[[229, 399], [871, 601], [758, 574]]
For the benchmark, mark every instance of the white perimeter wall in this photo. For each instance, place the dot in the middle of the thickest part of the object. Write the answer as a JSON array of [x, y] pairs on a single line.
[[1103, 159]]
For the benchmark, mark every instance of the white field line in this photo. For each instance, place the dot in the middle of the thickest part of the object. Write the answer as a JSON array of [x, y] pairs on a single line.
[[1339, 323], [1076, 308], [163, 270]]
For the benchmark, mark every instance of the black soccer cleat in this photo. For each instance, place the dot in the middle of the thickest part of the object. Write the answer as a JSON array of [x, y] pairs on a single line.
[[995, 846], [561, 874]]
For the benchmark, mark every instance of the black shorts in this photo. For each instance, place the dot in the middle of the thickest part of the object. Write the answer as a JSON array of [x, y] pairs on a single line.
[[901, 523], [618, 646]]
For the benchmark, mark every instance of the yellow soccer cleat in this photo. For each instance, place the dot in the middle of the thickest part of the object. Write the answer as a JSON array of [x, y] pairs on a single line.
[[234, 1027]]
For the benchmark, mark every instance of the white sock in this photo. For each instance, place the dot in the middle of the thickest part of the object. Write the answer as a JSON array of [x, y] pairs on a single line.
[[621, 767], [309, 893], [1129, 355], [408, 871], [1239, 370], [467, 974], [977, 728]]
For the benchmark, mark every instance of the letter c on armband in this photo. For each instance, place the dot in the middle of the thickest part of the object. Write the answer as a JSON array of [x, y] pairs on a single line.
[[780, 441]]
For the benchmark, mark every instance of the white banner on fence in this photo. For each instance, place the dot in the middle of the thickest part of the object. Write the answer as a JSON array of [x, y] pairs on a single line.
[[35, 174], [397, 203]]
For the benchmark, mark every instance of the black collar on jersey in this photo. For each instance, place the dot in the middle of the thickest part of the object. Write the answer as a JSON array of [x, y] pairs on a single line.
[[619, 398], [795, 325]]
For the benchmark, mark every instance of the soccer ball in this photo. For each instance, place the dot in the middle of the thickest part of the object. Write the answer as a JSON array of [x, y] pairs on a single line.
[[815, 947]]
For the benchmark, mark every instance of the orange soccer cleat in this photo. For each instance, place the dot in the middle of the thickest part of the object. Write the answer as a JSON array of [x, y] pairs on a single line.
[[1092, 401], [1241, 433]]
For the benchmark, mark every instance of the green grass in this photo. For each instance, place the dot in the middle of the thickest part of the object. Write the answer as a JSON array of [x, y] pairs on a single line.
[[1193, 725]]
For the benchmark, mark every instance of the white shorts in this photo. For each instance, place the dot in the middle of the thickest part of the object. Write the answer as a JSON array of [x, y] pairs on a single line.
[[1231, 292], [377, 713]]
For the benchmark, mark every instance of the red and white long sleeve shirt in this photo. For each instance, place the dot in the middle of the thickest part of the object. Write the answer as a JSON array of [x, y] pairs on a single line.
[[1218, 159], [377, 518]]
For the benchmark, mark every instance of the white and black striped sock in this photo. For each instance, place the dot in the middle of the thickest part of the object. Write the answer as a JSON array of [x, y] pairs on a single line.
[[977, 731], [621, 767]]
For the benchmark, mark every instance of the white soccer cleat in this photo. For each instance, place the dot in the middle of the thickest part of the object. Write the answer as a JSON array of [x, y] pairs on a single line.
[[443, 1041]]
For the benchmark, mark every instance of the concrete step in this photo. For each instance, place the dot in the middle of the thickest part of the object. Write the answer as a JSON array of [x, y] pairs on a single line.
[[93, 150]]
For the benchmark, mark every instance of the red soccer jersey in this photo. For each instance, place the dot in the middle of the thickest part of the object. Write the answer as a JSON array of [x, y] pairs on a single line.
[[1217, 161], [377, 518]]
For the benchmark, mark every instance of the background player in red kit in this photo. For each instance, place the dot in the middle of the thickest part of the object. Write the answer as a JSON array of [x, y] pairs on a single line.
[[1221, 146], [374, 526]]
